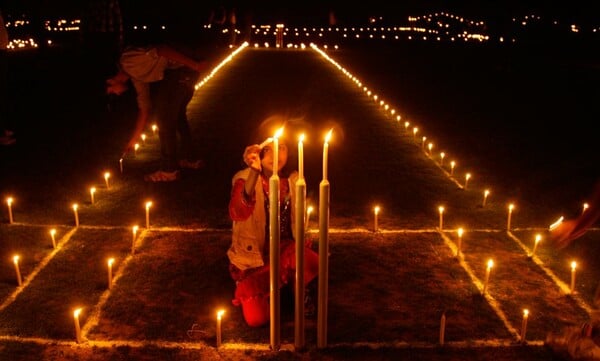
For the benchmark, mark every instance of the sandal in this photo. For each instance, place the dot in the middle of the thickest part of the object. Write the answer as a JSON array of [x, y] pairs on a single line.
[[162, 176]]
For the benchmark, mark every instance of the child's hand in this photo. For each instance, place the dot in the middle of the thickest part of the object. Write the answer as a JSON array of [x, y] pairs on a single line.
[[252, 157]]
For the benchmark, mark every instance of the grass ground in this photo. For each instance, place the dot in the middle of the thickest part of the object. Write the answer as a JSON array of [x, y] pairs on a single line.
[[388, 289]]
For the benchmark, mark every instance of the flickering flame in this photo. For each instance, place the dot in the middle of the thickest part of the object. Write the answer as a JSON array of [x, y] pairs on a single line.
[[328, 136]]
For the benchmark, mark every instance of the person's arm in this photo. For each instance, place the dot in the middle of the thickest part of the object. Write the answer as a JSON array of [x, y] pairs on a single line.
[[173, 55], [143, 114]]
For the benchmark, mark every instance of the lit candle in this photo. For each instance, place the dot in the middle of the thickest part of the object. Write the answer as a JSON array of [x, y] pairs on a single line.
[[486, 193], [524, 324], [53, 236], [92, 191], [220, 314], [423, 141], [406, 124], [430, 147], [324, 194], [110, 264], [301, 157], [415, 131], [77, 326], [452, 165], [274, 247], [585, 206], [299, 236], [18, 270], [134, 233], [538, 238], [441, 211], [143, 138], [490, 264], [154, 129], [376, 224], [467, 177], [265, 142], [106, 177], [121, 164], [459, 242], [75, 206], [573, 267], [442, 328], [9, 202], [309, 211], [325, 153], [510, 210], [442, 156], [148, 205], [136, 146]]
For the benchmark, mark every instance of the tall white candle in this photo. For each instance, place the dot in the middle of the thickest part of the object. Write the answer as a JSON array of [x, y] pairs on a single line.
[[441, 211], [524, 324], [18, 270], [148, 205], [326, 153], [9, 202], [452, 165], [75, 206], [376, 220], [92, 191], [299, 236], [442, 156], [53, 236], [324, 194], [77, 326], [274, 248], [573, 268], [467, 177], [486, 193], [134, 230], [301, 157], [538, 238], [110, 265]]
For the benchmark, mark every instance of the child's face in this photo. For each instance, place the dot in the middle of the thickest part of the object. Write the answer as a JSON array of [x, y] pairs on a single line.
[[267, 159]]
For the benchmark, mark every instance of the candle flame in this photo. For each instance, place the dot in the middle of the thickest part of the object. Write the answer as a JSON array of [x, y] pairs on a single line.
[[525, 313], [106, 175], [328, 136], [511, 207], [9, 200], [220, 313], [490, 264], [441, 209], [76, 312], [148, 204], [92, 190], [110, 262], [278, 133], [376, 210], [301, 138], [556, 223], [16, 259], [460, 232], [573, 265], [309, 210], [75, 206], [134, 229], [538, 238], [486, 192], [52, 232]]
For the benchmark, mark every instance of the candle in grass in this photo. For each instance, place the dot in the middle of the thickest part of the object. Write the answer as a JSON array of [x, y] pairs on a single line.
[[136, 146], [442, 156], [106, 178], [9, 202], [18, 270], [134, 230], [75, 207], [406, 124], [376, 214], [538, 238], [490, 264], [143, 136], [76, 314], [573, 268], [467, 177], [53, 236], [486, 193], [460, 232], [148, 205], [524, 324], [442, 328], [423, 139], [110, 265], [452, 165], [430, 147], [92, 191], [154, 129], [415, 131], [121, 164], [441, 212], [585, 207], [510, 210], [220, 314]]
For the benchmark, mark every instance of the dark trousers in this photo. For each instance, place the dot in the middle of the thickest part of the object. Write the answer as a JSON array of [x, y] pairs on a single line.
[[171, 97]]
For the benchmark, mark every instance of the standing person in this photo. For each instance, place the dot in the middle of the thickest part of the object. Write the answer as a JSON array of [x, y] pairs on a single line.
[[6, 134], [164, 81], [249, 251]]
